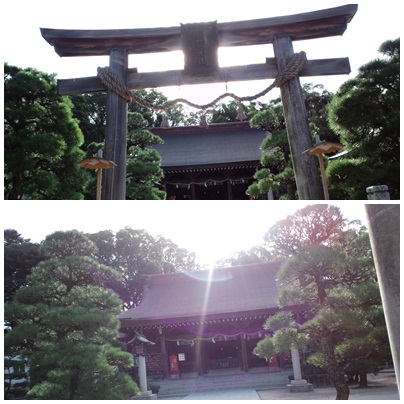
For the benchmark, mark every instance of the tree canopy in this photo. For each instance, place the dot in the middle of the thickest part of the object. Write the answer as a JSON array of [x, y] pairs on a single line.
[[20, 256], [365, 113], [143, 161], [319, 224], [135, 254], [41, 139]]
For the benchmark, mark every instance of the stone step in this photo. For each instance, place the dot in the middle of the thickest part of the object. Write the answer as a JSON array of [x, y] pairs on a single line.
[[184, 386]]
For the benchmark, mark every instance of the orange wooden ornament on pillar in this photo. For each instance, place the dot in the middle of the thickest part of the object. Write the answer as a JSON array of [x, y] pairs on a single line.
[[97, 163], [319, 149]]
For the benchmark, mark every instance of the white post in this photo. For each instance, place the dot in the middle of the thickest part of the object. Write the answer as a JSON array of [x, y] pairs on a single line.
[[378, 192], [142, 374], [297, 370], [298, 385]]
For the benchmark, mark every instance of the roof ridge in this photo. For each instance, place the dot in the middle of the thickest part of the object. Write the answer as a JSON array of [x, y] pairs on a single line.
[[221, 126], [234, 268]]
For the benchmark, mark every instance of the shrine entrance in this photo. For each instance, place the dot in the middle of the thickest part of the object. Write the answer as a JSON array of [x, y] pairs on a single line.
[[223, 354], [199, 43]]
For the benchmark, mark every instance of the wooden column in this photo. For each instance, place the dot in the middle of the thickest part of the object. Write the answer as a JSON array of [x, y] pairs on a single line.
[[114, 181], [305, 166], [193, 192], [244, 356], [229, 190], [198, 354], [164, 357]]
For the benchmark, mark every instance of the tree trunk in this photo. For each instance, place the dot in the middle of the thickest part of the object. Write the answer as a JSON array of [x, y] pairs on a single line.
[[291, 190], [336, 375], [74, 384], [363, 379], [340, 385]]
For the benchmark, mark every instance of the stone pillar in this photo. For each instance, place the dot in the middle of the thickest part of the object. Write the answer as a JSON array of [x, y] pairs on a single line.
[[142, 374], [298, 385], [378, 192], [384, 230], [297, 370], [144, 393]]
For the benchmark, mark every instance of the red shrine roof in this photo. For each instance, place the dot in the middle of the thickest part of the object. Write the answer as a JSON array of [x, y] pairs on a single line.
[[218, 144], [241, 291]]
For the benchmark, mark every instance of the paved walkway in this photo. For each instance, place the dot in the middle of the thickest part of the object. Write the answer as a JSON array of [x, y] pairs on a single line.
[[382, 393], [381, 387], [237, 394], [386, 393]]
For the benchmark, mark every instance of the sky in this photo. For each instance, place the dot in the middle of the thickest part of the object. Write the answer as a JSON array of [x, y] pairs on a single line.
[[23, 45], [213, 230]]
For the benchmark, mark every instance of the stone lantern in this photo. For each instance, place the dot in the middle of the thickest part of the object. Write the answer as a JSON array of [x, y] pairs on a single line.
[[140, 346]]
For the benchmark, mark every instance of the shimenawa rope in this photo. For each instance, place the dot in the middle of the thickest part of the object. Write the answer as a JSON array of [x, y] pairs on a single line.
[[111, 81]]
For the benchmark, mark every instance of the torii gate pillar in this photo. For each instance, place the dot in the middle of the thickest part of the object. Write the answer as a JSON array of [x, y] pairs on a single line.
[[114, 181], [305, 167]]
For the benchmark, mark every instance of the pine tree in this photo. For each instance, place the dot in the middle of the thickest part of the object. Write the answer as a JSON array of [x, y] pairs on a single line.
[[67, 326], [41, 139], [365, 112], [143, 161], [329, 273]]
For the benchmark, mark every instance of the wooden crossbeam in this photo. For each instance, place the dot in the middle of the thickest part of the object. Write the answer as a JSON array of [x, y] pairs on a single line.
[[268, 70], [311, 25]]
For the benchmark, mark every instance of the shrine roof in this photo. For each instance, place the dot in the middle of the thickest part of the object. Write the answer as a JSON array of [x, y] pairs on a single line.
[[199, 295], [224, 143]]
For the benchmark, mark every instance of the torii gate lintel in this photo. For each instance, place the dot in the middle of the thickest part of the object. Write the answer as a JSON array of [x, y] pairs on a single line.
[[199, 43]]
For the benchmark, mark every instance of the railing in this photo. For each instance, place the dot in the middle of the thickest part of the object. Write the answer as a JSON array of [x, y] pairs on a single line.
[[224, 363], [187, 366]]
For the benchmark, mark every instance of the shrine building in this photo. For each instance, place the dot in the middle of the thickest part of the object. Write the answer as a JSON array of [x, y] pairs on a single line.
[[204, 321], [213, 162]]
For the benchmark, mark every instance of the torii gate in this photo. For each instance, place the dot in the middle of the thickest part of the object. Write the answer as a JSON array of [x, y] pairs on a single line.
[[200, 42]]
